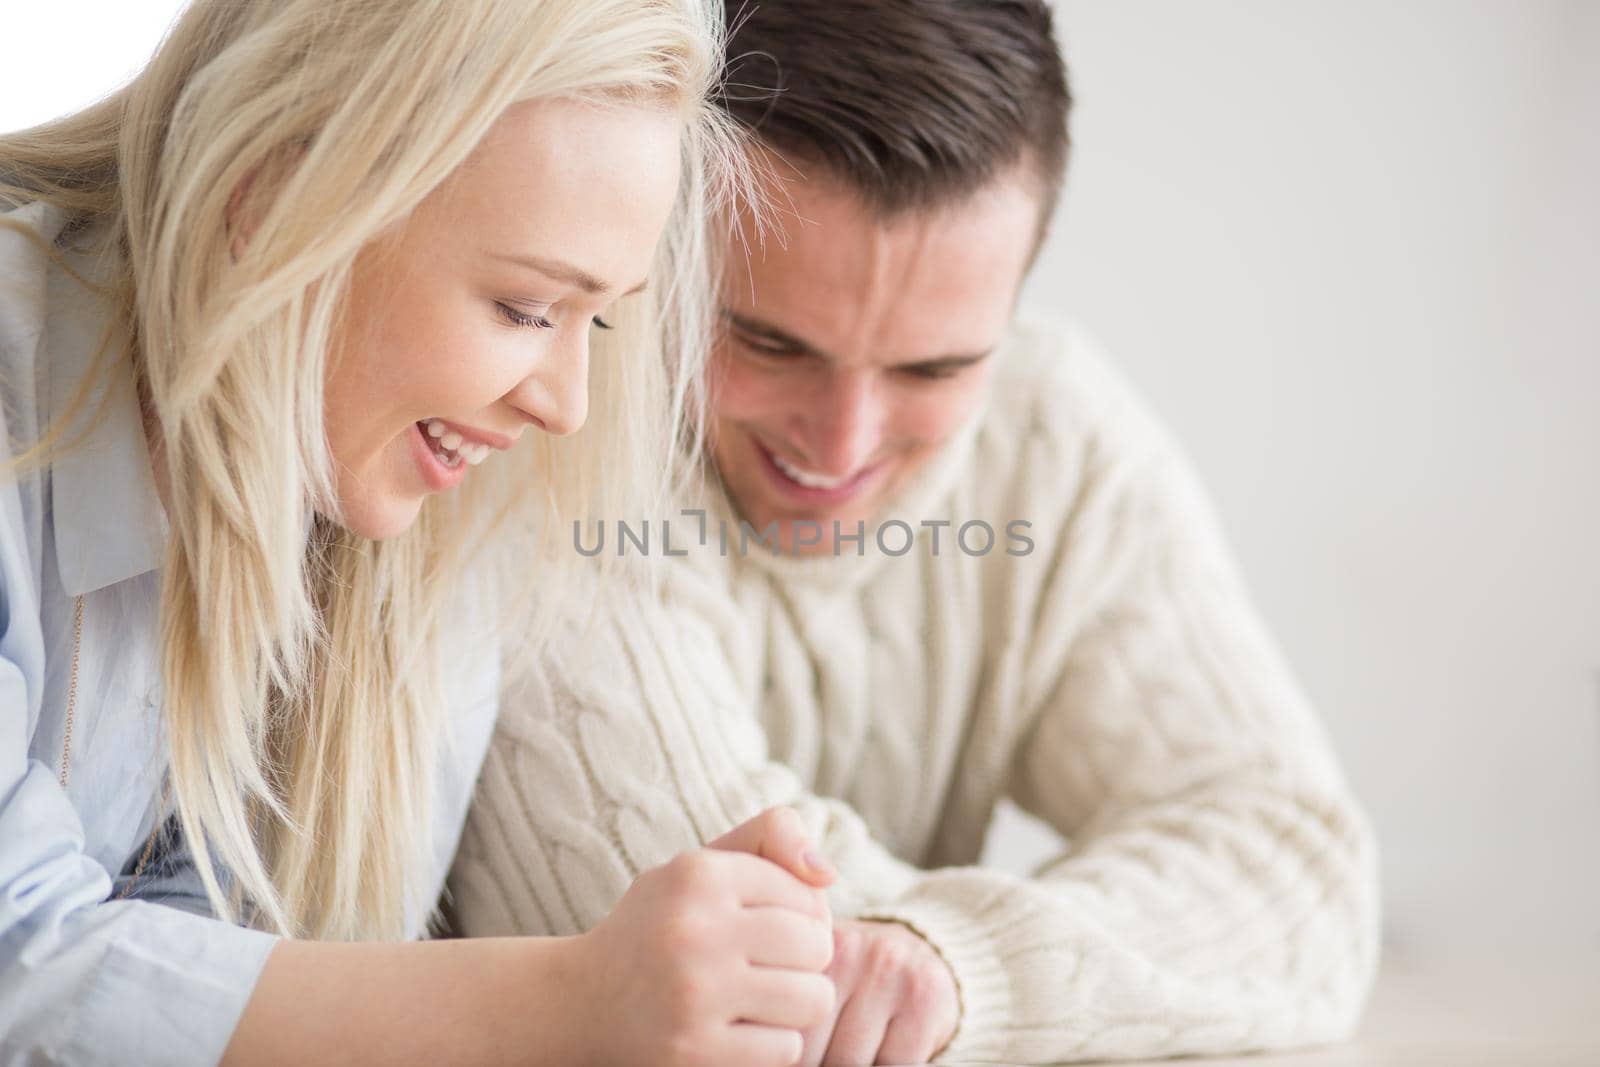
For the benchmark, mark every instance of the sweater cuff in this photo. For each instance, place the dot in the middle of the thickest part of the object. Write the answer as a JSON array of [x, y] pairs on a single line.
[[969, 941]]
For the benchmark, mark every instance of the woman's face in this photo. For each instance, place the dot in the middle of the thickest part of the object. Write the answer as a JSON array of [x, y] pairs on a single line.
[[471, 322]]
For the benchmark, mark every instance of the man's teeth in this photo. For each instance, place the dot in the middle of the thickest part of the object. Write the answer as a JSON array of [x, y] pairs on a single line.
[[807, 479], [451, 447]]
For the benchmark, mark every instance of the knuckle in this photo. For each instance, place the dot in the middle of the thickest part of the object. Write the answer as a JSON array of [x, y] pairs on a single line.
[[691, 875], [847, 945], [688, 999], [820, 948], [651, 881], [817, 999], [923, 988], [782, 820], [791, 1048], [685, 934], [684, 1045], [878, 957], [785, 1049]]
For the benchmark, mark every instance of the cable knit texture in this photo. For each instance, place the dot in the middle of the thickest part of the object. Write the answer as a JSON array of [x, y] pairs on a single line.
[[1218, 889]]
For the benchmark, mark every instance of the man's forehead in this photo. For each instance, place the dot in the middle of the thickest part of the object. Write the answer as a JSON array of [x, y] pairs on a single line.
[[824, 228], [922, 285]]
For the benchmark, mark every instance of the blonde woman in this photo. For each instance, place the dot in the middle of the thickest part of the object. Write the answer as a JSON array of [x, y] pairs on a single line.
[[290, 332]]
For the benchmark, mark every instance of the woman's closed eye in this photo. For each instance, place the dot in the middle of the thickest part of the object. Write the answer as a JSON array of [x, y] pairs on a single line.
[[522, 318], [536, 321]]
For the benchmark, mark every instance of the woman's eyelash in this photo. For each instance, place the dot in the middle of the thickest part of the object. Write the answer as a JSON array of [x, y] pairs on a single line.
[[518, 318]]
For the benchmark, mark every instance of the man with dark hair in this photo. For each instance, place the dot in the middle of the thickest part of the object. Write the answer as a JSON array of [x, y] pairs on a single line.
[[915, 105], [947, 557], [916, 151]]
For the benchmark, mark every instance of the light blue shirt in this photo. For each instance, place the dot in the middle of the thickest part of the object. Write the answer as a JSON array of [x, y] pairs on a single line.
[[85, 978]]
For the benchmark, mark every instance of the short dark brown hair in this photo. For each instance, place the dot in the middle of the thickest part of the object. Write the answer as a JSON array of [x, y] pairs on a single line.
[[913, 103]]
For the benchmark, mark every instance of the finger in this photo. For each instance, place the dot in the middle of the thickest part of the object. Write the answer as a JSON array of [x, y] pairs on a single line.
[[773, 996], [781, 937], [744, 880], [814, 1043], [911, 1037], [761, 1046], [842, 971], [757, 883], [858, 1034], [780, 835]]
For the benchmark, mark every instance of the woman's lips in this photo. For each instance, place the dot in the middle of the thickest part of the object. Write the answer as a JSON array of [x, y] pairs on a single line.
[[435, 474]]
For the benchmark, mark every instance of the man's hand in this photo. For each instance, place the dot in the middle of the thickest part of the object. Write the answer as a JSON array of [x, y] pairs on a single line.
[[895, 1000]]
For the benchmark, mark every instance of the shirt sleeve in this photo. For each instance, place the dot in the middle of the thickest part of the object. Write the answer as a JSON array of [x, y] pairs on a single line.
[[84, 980], [1219, 891]]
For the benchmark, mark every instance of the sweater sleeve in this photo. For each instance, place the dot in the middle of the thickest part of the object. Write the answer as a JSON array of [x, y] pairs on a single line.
[[1218, 894], [627, 745], [1219, 891]]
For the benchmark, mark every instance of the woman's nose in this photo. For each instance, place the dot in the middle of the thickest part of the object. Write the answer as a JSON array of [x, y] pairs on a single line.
[[556, 395]]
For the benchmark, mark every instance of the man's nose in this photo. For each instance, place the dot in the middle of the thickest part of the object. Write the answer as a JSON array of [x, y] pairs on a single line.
[[847, 424]]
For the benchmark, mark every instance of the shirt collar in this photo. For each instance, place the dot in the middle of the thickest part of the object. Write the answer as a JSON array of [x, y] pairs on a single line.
[[109, 522]]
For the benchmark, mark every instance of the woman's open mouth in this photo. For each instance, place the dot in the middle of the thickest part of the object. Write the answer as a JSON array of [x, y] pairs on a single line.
[[442, 455], [449, 446]]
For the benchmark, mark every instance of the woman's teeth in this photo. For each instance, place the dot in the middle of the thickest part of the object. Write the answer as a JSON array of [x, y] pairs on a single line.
[[451, 447], [806, 478]]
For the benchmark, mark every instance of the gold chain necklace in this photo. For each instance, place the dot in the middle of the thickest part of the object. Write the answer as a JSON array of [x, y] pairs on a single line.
[[66, 747]]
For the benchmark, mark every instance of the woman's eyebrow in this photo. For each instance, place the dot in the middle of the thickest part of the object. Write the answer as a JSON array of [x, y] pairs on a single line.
[[563, 271]]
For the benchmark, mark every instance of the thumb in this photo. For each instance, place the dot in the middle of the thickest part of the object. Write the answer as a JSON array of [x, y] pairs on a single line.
[[780, 835]]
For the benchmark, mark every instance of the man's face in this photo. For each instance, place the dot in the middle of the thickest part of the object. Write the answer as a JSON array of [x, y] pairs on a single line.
[[852, 349]]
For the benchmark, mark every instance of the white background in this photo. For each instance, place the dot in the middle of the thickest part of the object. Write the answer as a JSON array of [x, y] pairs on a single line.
[[1351, 249]]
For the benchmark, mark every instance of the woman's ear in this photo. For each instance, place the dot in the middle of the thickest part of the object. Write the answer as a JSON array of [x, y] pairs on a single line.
[[252, 197], [243, 214]]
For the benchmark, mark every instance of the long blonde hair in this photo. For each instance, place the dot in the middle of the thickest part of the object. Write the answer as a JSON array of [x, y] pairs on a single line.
[[304, 694]]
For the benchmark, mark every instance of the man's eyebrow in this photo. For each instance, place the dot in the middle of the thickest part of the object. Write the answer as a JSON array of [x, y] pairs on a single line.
[[949, 363], [565, 272], [768, 332]]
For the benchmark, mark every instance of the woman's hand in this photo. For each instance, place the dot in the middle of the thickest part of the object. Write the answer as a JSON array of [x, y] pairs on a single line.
[[896, 1000], [716, 957]]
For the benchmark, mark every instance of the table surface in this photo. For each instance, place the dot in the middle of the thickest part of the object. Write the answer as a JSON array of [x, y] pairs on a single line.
[[1464, 1013]]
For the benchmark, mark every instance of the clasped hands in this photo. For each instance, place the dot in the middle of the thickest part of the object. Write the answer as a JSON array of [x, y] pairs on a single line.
[[730, 955]]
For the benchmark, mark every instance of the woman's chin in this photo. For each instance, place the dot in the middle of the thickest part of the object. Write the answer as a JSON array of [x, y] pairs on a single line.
[[380, 517]]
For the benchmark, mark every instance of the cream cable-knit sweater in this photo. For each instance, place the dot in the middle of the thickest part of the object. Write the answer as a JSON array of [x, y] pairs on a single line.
[[1219, 891]]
